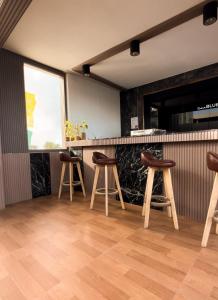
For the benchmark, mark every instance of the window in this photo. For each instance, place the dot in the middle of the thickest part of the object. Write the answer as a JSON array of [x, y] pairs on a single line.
[[45, 108]]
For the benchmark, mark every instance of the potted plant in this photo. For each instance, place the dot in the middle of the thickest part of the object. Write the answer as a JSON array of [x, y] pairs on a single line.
[[77, 132], [68, 130], [83, 126]]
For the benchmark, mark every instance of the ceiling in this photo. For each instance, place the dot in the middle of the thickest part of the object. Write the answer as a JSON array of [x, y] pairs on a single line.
[[184, 48], [64, 34]]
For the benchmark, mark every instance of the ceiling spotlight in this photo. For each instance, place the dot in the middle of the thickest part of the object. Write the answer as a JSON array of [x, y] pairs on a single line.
[[210, 13], [86, 70], [135, 48]]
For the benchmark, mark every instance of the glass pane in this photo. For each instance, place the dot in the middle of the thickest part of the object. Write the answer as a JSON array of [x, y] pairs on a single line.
[[44, 93]]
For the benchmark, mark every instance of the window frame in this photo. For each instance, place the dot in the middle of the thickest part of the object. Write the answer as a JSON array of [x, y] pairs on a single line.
[[33, 64]]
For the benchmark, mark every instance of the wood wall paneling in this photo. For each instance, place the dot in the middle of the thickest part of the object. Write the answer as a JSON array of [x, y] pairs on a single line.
[[2, 192], [16, 164], [17, 177], [12, 101], [10, 13], [192, 181], [12, 104], [194, 136], [55, 171]]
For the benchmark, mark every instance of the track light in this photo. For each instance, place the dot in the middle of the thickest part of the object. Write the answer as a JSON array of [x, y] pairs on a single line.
[[135, 48], [86, 70], [210, 13]]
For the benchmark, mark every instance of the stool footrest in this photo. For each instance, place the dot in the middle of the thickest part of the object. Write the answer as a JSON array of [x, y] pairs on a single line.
[[74, 183], [215, 217], [163, 201], [111, 191]]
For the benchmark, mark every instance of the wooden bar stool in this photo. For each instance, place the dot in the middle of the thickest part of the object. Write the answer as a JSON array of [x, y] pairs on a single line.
[[70, 161], [212, 214], [101, 160], [153, 164]]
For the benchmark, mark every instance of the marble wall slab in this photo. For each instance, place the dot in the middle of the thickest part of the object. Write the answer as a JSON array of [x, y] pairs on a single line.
[[128, 110], [40, 174], [133, 174]]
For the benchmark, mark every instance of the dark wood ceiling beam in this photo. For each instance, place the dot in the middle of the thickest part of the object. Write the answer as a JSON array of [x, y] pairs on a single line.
[[10, 13], [107, 82], [103, 80], [171, 23]]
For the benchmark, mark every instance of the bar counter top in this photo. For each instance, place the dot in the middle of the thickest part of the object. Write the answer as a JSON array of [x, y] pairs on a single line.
[[205, 135]]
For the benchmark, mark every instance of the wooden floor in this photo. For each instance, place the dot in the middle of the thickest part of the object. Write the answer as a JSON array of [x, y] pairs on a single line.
[[57, 250]]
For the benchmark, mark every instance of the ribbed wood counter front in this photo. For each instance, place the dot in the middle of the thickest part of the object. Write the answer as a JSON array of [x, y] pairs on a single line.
[[192, 181], [209, 135]]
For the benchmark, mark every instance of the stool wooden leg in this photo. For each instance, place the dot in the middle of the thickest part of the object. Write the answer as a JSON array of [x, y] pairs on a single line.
[[169, 211], [216, 230], [106, 190], [143, 207], [97, 169], [62, 179], [169, 192], [81, 178], [118, 186], [148, 194], [210, 213], [71, 181]]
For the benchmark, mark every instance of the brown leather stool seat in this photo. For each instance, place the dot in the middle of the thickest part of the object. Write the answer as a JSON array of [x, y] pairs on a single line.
[[67, 158], [212, 161], [102, 161], [70, 161], [152, 164], [99, 158], [149, 160], [212, 213]]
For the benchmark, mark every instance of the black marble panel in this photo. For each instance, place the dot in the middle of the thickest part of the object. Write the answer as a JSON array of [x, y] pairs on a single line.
[[128, 109], [40, 174], [133, 174], [132, 100]]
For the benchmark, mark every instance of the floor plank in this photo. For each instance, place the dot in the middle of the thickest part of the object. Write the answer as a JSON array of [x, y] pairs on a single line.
[[54, 249]]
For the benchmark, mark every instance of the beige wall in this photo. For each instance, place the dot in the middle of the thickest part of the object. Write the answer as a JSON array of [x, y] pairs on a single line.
[[95, 103]]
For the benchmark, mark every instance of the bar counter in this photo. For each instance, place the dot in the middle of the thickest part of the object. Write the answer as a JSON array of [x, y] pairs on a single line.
[[192, 181], [207, 135]]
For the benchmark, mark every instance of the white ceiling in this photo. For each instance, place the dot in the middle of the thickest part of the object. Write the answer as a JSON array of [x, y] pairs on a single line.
[[186, 47], [66, 33]]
